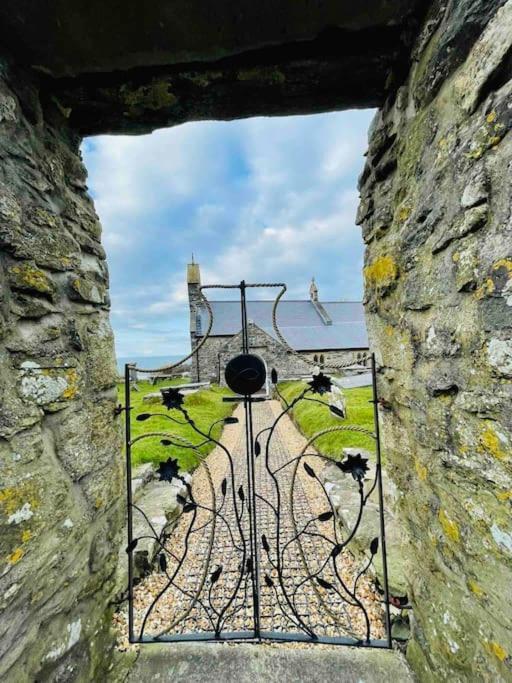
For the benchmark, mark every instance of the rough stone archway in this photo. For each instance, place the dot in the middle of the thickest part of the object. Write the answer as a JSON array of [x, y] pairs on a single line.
[[436, 217]]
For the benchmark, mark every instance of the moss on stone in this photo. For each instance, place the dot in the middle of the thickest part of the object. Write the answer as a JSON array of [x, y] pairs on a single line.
[[27, 277], [265, 74], [154, 96]]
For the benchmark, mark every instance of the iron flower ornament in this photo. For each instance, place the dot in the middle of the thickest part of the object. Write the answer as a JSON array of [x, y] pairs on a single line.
[[354, 465], [171, 398], [168, 470], [320, 384]]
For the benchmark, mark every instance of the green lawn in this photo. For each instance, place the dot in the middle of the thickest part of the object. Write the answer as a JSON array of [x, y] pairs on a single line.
[[204, 407], [312, 418]]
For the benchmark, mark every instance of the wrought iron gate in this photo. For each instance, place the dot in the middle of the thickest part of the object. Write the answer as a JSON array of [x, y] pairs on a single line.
[[258, 551]]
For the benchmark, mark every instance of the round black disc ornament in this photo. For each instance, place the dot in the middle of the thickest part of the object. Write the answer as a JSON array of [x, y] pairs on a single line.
[[245, 374]]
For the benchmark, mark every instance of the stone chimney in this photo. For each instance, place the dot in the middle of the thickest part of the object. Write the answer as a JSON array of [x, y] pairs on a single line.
[[193, 274], [194, 299], [313, 290], [313, 296]]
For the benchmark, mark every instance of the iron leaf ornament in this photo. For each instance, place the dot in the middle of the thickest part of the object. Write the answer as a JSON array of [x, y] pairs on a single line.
[[171, 398], [354, 465], [320, 384], [325, 584], [168, 470], [216, 574], [309, 470], [337, 411], [131, 546], [336, 550]]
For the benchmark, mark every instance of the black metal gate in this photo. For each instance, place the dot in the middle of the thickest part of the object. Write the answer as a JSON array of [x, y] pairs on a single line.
[[258, 551]]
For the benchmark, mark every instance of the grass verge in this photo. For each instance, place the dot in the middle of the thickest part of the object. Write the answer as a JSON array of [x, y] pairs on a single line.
[[311, 418], [204, 407]]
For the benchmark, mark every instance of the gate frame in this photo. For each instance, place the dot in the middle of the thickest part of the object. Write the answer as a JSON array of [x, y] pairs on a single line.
[[256, 635]]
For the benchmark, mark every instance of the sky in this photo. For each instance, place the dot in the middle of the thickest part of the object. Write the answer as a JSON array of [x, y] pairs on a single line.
[[262, 199]]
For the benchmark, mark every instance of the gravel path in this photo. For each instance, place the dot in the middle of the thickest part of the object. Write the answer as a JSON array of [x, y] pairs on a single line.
[[207, 583]]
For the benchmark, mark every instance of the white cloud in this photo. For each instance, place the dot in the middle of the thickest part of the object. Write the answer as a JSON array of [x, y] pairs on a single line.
[[258, 199]]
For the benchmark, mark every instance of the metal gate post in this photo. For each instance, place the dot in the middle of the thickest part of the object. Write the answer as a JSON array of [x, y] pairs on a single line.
[[381, 501], [249, 438]]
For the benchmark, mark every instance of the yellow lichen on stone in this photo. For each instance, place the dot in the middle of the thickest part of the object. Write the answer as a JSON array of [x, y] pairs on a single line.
[[491, 444], [450, 527], [421, 470], [491, 118], [382, 271], [496, 649], [476, 589], [485, 289], [26, 535], [72, 380], [503, 496], [14, 497], [15, 556], [504, 263], [404, 213]]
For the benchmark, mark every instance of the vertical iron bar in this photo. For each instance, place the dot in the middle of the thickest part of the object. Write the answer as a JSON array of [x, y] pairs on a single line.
[[127, 430], [381, 501], [256, 567], [250, 472]]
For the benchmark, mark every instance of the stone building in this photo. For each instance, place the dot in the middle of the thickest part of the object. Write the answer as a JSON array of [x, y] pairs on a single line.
[[326, 333]]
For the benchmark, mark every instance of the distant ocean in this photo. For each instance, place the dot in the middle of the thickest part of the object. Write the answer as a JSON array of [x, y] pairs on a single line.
[[149, 362]]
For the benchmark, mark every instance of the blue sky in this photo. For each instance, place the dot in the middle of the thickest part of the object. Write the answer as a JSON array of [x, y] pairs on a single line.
[[270, 199]]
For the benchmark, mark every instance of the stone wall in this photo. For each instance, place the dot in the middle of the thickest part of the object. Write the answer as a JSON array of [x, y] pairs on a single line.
[[436, 217], [272, 352], [60, 452], [328, 359], [212, 358], [206, 362]]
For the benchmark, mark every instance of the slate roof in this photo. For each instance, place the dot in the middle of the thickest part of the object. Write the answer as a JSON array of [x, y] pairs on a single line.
[[299, 323]]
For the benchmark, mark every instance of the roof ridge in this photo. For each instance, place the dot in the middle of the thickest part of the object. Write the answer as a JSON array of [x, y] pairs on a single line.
[[271, 301]]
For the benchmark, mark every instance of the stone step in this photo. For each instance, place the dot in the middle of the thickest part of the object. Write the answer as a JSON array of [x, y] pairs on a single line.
[[267, 663]]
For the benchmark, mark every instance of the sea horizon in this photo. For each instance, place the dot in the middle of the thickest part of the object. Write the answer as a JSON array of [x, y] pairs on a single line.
[[148, 362]]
